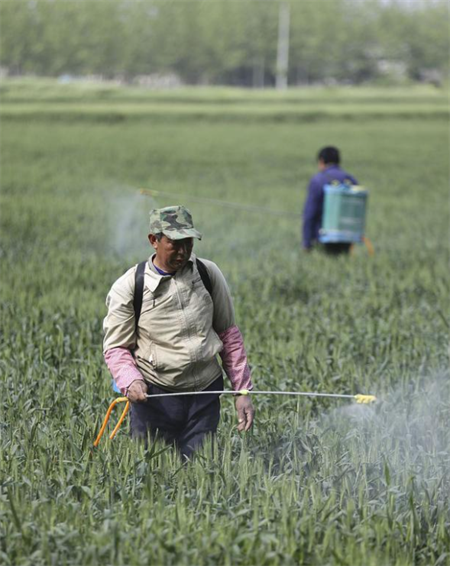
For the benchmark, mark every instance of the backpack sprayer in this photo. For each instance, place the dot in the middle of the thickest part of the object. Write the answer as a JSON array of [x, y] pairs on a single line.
[[344, 215], [361, 399]]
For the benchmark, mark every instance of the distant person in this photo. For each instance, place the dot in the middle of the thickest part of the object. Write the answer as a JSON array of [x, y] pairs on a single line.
[[170, 342], [328, 161]]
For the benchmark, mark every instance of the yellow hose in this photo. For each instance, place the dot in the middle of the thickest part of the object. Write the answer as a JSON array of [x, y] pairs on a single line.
[[106, 419], [369, 246]]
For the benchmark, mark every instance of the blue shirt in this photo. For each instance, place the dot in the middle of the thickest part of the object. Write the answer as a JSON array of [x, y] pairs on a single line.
[[312, 212], [161, 272]]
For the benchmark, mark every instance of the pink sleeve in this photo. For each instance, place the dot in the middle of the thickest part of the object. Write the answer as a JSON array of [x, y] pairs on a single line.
[[123, 368], [234, 359]]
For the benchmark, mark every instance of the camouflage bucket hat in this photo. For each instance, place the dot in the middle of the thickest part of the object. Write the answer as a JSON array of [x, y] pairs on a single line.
[[175, 222]]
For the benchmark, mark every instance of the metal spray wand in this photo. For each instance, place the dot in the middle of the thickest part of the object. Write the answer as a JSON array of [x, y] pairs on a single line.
[[361, 399]]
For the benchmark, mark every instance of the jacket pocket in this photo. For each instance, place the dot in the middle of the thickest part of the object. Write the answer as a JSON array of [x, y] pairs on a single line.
[[150, 356]]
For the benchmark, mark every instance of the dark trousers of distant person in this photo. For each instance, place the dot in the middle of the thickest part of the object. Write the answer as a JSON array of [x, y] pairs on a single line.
[[336, 248], [183, 421]]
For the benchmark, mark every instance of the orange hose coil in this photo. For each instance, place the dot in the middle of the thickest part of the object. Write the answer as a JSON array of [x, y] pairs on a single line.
[[369, 246], [106, 419]]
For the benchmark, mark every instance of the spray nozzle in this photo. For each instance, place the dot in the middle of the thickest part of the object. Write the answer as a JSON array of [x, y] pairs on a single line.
[[365, 399]]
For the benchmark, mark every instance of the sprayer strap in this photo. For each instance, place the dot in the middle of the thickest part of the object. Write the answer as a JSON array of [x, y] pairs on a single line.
[[139, 286], [138, 291], [205, 276]]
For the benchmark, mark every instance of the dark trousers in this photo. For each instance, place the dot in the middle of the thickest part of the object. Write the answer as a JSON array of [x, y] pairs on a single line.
[[184, 421], [336, 248]]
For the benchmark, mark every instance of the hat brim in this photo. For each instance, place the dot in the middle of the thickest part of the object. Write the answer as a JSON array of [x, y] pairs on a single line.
[[183, 233]]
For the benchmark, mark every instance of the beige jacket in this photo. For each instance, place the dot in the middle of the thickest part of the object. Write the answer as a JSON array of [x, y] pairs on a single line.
[[177, 341]]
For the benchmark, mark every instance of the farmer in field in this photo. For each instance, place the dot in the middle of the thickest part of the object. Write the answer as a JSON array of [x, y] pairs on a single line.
[[328, 160], [170, 342]]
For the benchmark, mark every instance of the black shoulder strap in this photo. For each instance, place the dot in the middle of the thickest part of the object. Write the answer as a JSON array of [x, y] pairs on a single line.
[[205, 276], [138, 290]]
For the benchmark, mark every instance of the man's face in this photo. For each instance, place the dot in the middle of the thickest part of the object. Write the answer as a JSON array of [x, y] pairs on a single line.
[[321, 165], [171, 255]]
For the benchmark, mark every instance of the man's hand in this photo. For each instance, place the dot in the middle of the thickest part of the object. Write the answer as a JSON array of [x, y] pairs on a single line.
[[137, 392], [245, 412]]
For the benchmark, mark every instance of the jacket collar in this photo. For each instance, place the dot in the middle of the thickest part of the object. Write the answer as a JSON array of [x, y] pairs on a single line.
[[153, 278]]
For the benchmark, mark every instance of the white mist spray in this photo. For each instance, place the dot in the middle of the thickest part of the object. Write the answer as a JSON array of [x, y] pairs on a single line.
[[408, 430], [128, 223]]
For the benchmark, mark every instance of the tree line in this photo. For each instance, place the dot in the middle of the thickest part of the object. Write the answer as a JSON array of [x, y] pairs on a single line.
[[226, 42]]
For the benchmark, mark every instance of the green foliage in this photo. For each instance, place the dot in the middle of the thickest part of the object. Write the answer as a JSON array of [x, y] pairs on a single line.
[[317, 481], [225, 42]]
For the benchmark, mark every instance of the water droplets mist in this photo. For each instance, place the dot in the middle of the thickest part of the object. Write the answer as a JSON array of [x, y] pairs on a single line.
[[128, 223], [408, 430]]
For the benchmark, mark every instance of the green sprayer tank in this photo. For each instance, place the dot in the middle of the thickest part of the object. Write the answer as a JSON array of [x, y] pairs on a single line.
[[344, 214]]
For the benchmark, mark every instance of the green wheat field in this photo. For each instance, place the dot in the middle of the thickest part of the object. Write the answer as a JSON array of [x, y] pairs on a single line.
[[317, 481]]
